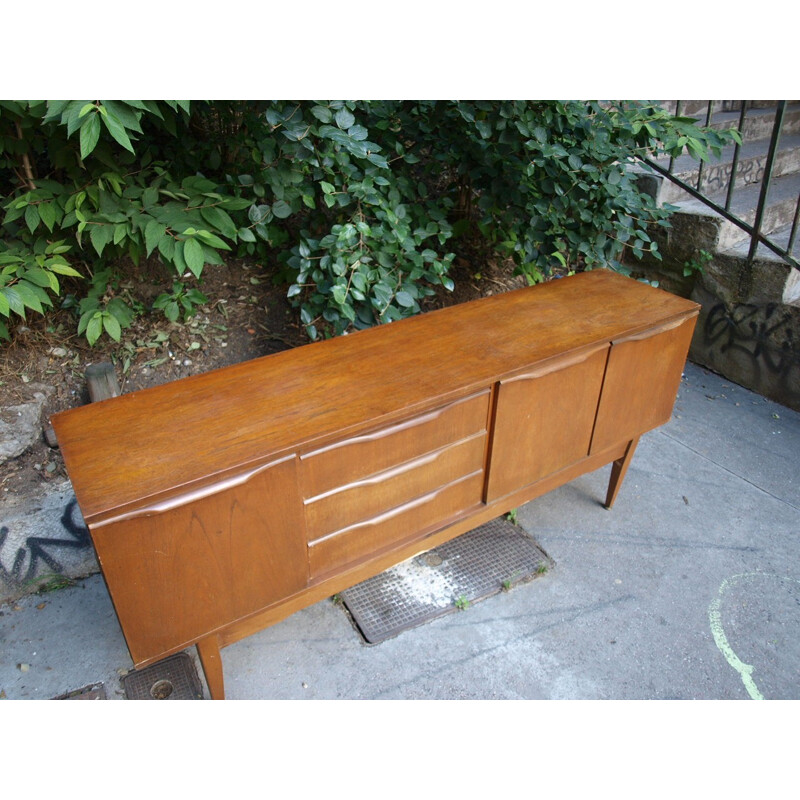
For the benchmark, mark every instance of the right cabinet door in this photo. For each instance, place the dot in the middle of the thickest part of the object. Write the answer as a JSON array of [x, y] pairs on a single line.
[[543, 420], [641, 382]]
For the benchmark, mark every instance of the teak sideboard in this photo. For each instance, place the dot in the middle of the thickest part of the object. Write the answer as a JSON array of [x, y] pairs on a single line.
[[221, 503]]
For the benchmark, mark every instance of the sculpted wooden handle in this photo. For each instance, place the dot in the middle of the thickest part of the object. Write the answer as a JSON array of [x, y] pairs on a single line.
[[401, 426], [667, 326], [387, 515], [558, 364], [191, 496]]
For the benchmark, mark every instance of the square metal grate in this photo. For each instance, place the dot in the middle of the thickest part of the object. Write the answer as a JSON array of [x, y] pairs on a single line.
[[467, 569], [174, 678]]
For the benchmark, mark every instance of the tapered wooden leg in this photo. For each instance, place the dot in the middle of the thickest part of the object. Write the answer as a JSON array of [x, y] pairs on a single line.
[[618, 470], [211, 659]]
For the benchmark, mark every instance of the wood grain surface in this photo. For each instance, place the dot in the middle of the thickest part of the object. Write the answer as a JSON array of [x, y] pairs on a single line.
[[168, 437]]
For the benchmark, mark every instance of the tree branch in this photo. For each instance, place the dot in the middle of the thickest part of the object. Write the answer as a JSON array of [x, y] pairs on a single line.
[[26, 163]]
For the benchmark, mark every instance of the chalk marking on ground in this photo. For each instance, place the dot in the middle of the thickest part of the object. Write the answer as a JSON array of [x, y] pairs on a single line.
[[718, 632]]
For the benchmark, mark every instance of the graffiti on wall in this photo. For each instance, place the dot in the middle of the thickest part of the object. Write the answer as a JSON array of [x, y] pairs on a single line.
[[747, 172], [41, 554], [765, 334]]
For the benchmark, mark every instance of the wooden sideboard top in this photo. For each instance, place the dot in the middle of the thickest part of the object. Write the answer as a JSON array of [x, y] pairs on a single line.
[[131, 449]]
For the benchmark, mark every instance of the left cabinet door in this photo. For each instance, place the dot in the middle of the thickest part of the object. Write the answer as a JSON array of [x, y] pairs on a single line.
[[179, 569]]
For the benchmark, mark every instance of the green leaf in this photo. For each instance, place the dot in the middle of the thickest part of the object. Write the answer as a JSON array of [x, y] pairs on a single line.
[[212, 240], [246, 235], [116, 129], [326, 187], [166, 246], [322, 113], [193, 254], [112, 326], [153, 232], [281, 209], [90, 133], [220, 220], [29, 297], [404, 299], [100, 236], [38, 276], [32, 218], [47, 212], [344, 119], [14, 300], [64, 269], [94, 328]]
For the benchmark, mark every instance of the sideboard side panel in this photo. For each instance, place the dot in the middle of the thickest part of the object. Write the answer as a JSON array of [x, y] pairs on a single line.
[[178, 574]]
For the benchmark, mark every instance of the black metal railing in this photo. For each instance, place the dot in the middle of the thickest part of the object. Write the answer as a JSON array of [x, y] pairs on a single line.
[[754, 229]]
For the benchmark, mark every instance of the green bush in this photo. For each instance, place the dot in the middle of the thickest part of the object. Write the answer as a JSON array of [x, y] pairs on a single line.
[[357, 206]]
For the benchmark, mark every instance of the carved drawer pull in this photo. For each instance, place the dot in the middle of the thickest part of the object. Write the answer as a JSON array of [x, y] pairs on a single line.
[[636, 337], [394, 512], [400, 426], [193, 495], [555, 366]]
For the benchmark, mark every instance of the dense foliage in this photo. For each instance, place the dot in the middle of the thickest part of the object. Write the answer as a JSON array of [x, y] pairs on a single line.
[[357, 206]]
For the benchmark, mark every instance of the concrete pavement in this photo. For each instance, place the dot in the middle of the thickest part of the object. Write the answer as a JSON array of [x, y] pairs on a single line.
[[688, 588]]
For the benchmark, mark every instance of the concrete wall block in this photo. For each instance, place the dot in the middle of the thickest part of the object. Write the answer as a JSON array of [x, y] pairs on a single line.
[[690, 233], [755, 342], [43, 539]]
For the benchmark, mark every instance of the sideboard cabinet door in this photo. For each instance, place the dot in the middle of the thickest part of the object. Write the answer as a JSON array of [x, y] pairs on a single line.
[[179, 570], [543, 420], [642, 380]]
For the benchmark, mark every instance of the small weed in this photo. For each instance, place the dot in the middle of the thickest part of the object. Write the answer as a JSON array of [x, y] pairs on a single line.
[[181, 301], [52, 583], [509, 582], [512, 516], [541, 569], [462, 604], [337, 600], [697, 263]]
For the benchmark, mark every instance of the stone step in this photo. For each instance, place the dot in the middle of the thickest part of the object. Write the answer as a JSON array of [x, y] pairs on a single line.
[[779, 211], [758, 121], [779, 237], [716, 173], [699, 108]]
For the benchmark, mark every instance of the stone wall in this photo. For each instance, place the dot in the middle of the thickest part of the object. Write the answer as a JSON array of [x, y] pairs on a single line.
[[749, 325]]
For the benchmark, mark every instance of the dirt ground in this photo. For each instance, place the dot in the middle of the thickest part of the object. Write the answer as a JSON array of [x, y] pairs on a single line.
[[247, 316]]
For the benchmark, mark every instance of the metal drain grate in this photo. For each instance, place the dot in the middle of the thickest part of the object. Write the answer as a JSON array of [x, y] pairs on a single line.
[[473, 566], [174, 678]]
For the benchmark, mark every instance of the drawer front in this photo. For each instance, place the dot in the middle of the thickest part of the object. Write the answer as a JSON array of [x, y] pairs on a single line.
[[395, 526], [353, 459], [368, 497]]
